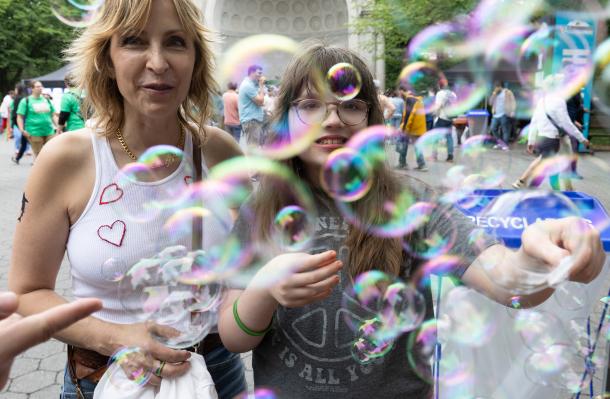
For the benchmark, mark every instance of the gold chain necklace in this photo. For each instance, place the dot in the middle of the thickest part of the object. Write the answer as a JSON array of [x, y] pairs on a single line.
[[169, 159]]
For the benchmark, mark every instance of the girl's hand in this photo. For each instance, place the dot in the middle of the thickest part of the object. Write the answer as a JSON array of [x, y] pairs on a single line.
[[552, 241], [151, 355], [298, 279]]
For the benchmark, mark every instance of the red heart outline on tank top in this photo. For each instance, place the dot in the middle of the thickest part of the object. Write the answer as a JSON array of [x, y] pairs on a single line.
[[111, 236], [112, 196], [188, 180]]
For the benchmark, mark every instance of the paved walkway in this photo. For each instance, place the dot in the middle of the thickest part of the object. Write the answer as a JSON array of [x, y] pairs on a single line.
[[38, 373]]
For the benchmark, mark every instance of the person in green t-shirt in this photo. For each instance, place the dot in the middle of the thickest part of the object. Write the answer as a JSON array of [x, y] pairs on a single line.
[[70, 117], [36, 118]]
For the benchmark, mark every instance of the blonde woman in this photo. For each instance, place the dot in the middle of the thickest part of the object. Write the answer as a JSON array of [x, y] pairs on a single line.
[[145, 65]]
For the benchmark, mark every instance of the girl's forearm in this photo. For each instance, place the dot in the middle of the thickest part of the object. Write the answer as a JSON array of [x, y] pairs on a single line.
[[255, 309]]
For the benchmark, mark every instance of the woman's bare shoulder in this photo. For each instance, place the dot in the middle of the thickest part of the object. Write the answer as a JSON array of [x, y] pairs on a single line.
[[68, 148]]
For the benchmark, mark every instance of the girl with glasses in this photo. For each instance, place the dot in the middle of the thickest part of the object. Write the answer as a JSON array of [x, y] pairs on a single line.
[[296, 326]]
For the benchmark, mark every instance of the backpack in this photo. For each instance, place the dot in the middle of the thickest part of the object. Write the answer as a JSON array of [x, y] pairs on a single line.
[[14, 111]]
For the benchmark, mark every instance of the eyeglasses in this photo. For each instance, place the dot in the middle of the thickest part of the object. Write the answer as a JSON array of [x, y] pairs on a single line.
[[313, 112]]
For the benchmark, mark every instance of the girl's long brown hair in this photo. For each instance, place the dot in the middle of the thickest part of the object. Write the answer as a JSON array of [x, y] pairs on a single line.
[[367, 251]]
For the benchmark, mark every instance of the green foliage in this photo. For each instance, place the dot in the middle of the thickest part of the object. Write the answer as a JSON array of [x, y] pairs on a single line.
[[31, 40], [397, 21]]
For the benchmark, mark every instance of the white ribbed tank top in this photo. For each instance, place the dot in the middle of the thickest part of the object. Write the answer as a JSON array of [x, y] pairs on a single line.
[[113, 226]]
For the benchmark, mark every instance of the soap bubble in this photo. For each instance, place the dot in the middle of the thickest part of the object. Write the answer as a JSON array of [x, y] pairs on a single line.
[[601, 84], [113, 269], [557, 366], [141, 198], [346, 175], [540, 330], [294, 228], [259, 393], [130, 369], [344, 81], [419, 77], [367, 347], [76, 13], [472, 320]]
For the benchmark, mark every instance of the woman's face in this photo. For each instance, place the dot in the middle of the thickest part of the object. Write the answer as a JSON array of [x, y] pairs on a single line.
[[333, 132], [153, 69], [37, 88]]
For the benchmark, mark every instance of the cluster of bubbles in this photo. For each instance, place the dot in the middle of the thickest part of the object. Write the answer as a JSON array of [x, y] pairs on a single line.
[[380, 308]]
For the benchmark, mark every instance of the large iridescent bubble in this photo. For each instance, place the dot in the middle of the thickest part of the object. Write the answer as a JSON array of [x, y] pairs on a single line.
[[76, 13], [291, 226], [534, 55], [472, 320], [270, 52], [601, 83], [419, 77], [517, 210], [178, 314], [396, 218]]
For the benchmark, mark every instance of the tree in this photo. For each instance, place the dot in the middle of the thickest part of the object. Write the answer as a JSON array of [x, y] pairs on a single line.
[[31, 40], [397, 21]]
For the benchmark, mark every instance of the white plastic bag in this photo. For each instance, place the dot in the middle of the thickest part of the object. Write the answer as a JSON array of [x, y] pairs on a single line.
[[196, 384]]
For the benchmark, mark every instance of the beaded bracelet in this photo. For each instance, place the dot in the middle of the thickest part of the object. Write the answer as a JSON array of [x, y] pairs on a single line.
[[244, 328]]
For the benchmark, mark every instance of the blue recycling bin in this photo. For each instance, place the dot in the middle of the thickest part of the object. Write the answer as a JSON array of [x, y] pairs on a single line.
[[499, 366], [477, 122], [528, 212]]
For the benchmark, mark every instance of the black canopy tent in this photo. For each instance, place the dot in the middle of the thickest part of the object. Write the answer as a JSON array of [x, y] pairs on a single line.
[[54, 79]]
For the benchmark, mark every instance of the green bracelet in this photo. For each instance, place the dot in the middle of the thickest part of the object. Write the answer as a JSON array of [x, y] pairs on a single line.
[[244, 328]]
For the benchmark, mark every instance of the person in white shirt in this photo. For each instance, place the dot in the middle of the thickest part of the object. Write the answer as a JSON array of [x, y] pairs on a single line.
[[503, 110], [442, 102], [4, 111], [387, 106], [550, 116]]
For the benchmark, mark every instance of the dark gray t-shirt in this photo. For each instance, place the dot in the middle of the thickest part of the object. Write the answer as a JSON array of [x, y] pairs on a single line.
[[307, 353]]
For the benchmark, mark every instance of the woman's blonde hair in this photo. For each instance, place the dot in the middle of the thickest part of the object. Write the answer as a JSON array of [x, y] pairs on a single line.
[[92, 66], [367, 251]]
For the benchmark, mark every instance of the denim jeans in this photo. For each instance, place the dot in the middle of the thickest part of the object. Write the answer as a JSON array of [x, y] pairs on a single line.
[[235, 131], [395, 121], [17, 137], [419, 157], [226, 369], [447, 124], [402, 144], [504, 124]]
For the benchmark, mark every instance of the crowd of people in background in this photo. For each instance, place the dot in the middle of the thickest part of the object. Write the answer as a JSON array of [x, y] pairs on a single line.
[[31, 120]]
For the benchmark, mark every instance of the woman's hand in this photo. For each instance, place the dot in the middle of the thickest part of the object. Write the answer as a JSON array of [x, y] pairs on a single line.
[[21, 333], [298, 279], [552, 241], [151, 355]]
